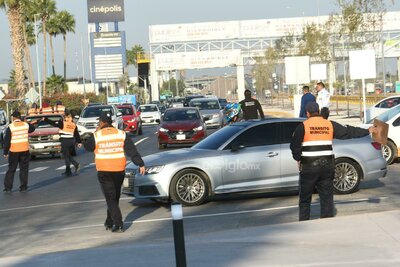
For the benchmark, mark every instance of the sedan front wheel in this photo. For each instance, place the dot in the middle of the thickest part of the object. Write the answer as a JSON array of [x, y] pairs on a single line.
[[189, 187], [348, 176]]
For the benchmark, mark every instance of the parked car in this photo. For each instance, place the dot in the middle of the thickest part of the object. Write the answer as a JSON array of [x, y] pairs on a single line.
[[131, 118], [190, 97], [211, 111], [222, 102], [181, 126], [162, 108], [382, 106], [392, 117], [150, 113], [246, 157], [88, 121], [45, 140]]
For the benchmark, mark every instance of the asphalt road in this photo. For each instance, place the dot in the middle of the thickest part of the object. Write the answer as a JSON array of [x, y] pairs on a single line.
[[59, 213]]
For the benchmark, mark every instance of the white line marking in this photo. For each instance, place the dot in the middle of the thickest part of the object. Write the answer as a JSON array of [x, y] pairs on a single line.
[[38, 169], [141, 140], [61, 168], [1, 166]]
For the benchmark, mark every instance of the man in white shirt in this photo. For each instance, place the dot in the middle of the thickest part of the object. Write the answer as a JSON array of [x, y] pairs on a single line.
[[323, 95]]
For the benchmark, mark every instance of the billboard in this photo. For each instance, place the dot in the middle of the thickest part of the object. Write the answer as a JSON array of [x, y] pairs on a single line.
[[105, 10], [108, 55]]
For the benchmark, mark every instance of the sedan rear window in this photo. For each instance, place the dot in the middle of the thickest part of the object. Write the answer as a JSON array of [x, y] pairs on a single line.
[[205, 105]]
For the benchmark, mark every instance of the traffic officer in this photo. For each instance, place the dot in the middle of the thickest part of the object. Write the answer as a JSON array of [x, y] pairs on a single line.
[[33, 110], [110, 146], [69, 137], [311, 147], [323, 95], [16, 150], [46, 108], [60, 109], [250, 107]]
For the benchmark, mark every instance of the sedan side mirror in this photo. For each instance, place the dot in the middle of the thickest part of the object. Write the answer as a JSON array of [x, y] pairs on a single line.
[[76, 116]]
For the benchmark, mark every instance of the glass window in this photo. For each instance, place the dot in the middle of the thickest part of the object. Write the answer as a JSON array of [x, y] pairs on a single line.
[[217, 139], [181, 115], [205, 105], [387, 115], [43, 124], [287, 130], [126, 110], [260, 135], [148, 108], [92, 112]]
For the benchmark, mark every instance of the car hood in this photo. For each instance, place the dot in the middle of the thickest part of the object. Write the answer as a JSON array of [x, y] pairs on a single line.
[[173, 156], [149, 114], [45, 131], [180, 125], [128, 117]]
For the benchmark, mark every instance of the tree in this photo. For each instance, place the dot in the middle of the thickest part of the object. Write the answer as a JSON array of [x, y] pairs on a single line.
[[171, 86], [67, 25], [132, 54], [315, 43], [12, 83], [123, 81], [53, 29], [45, 8], [56, 85], [14, 10], [263, 70], [29, 39]]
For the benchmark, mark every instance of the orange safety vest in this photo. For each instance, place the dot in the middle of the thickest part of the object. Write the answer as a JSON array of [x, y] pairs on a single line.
[[68, 129], [318, 137], [32, 111], [109, 151], [19, 136], [60, 109], [48, 110]]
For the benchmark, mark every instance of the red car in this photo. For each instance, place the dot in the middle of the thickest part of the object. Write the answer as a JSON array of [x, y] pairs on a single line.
[[131, 117], [181, 126]]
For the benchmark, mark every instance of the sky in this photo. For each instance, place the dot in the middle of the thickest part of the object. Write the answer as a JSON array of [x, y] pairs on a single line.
[[140, 14]]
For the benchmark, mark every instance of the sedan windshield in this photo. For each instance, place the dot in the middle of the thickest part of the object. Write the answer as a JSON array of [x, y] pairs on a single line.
[[387, 115], [126, 110], [205, 105], [43, 124], [218, 138], [181, 115], [93, 112], [148, 108]]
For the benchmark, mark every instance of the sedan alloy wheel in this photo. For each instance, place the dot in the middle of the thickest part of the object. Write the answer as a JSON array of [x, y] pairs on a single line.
[[347, 176], [189, 187]]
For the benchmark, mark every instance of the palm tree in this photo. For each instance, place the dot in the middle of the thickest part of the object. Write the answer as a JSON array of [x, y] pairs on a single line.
[[45, 8], [67, 24], [14, 10], [131, 55], [53, 29], [29, 39]]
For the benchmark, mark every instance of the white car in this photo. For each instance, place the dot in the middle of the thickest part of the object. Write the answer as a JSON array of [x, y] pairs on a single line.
[[392, 117], [382, 106], [150, 113], [88, 121]]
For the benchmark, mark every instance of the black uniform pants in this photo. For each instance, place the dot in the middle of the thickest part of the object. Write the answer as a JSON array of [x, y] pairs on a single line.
[[68, 149], [15, 158], [111, 183], [320, 177]]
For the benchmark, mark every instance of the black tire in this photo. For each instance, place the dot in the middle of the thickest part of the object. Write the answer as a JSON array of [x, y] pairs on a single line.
[[389, 152], [193, 180], [162, 146], [348, 175], [139, 130]]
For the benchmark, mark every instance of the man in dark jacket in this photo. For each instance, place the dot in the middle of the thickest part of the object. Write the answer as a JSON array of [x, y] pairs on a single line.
[[250, 107], [305, 99]]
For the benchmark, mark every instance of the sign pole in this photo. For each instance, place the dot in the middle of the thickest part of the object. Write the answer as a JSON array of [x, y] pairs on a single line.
[[364, 101]]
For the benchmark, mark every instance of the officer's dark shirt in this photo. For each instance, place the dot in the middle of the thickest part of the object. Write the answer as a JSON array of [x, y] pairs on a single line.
[[7, 138], [339, 132], [250, 107], [129, 149]]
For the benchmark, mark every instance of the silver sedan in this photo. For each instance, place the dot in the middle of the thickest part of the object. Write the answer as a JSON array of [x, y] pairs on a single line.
[[246, 156]]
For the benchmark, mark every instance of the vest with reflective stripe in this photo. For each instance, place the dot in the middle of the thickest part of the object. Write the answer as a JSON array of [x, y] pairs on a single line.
[[109, 151], [47, 110], [60, 109], [19, 136], [32, 111], [68, 130], [318, 136]]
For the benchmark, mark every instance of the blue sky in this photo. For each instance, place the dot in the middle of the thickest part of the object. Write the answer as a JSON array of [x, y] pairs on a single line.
[[140, 14]]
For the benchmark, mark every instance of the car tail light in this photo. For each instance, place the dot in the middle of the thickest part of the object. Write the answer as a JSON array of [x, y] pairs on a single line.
[[376, 145]]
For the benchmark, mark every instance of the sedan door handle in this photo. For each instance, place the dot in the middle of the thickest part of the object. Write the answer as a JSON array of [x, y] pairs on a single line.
[[272, 154]]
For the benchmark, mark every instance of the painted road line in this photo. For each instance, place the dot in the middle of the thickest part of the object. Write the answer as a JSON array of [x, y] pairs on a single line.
[[141, 140], [1, 166], [38, 169], [61, 168]]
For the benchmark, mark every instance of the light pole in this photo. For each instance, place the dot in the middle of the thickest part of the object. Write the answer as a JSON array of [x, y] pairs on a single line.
[[37, 62], [83, 69]]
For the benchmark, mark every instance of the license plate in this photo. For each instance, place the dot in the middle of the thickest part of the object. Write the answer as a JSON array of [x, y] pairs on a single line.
[[180, 137], [39, 146], [126, 182]]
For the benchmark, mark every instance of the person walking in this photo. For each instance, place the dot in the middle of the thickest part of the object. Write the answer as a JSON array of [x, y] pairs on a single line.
[[323, 95], [250, 107], [16, 150], [311, 147], [110, 146], [305, 99], [69, 138]]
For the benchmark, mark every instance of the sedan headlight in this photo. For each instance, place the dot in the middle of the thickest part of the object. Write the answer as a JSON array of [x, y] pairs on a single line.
[[154, 169], [163, 130], [200, 128]]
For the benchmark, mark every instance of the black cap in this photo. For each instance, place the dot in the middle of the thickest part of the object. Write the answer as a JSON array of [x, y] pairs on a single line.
[[312, 107], [16, 114], [105, 117]]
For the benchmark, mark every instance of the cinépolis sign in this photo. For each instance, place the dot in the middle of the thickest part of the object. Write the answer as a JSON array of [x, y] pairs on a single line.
[[105, 10]]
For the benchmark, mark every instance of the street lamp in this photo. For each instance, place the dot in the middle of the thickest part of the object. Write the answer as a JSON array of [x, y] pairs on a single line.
[[37, 62]]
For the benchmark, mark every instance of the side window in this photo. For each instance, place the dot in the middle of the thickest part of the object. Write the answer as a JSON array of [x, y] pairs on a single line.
[[261, 135], [396, 122], [287, 130]]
